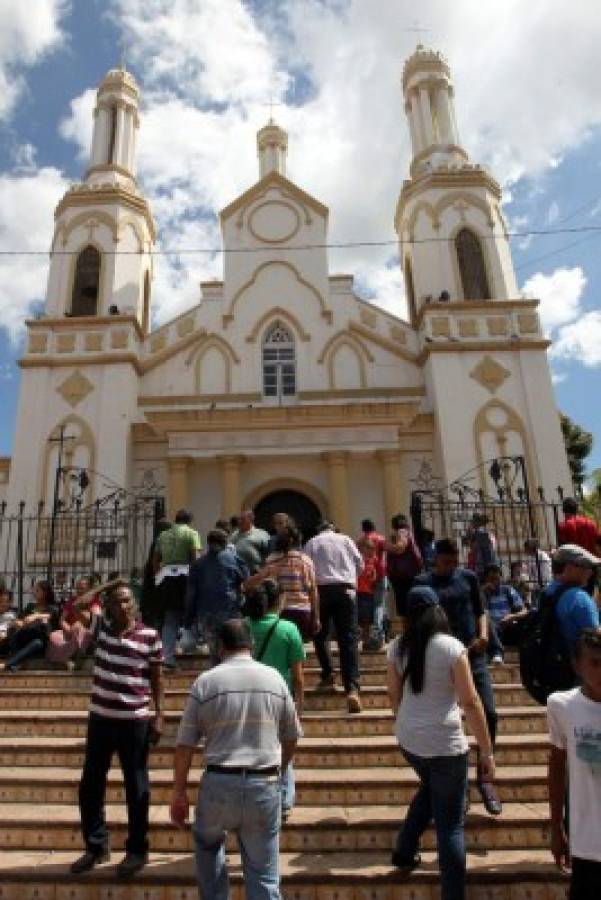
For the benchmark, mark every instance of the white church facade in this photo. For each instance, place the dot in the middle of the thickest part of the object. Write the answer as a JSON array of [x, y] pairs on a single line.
[[282, 379]]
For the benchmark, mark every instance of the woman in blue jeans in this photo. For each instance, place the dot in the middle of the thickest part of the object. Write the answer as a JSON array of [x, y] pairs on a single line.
[[428, 675]]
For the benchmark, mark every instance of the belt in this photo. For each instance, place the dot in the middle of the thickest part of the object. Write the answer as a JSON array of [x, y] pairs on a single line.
[[243, 770]]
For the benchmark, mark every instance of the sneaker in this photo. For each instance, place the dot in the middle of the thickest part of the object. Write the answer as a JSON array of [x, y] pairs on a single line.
[[130, 864], [405, 865], [497, 659], [353, 703], [490, 798], [326, 683], [87, 862]]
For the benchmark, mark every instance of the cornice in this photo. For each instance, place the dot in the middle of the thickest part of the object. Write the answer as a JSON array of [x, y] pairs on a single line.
[[111, 167], [372, 392], [85, 323], [198, 400], [486, 307], [273, 179], [383, 342], [106, 195], [479, 346], [79, 359], [444, 179]]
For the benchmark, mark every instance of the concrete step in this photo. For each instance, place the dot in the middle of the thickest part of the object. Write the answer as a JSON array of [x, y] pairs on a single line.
[[309, 829], [342, 787], [494, 875], [78, 698], [364, 752], [328, 723]]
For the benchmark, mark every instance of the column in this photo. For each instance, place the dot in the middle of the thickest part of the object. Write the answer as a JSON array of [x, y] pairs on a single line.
[[412, 128], [231, 498], [424, 102], [178, 483], [416, 116], [100, 136], [336, 461], [445, 125], [395, 499], [120, 155]]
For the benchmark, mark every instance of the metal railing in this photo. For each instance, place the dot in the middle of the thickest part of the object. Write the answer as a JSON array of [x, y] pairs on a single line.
[[102, 538]]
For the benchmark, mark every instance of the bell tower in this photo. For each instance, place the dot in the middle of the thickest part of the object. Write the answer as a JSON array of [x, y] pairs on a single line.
[[101, 256], [452, 234]]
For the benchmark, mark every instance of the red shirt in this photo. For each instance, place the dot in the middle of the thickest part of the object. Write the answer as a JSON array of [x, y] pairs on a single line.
[[368, 577], [379, 543], [579, 530]]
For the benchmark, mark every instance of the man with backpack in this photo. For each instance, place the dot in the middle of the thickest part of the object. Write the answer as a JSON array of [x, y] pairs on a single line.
[[552, 632]]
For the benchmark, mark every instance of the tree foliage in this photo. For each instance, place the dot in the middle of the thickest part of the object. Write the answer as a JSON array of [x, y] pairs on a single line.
[[578, 443]]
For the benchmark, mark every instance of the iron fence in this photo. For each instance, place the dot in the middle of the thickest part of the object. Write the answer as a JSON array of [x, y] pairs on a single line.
[[102, 538]]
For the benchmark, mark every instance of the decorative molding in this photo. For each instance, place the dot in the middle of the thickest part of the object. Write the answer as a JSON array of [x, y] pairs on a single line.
[[381, 341], [81, 322], [457, 179], [185, 326], [93, 341], [440, 326], [528, 323], [368, 317], [277, 312], [158, 341], [365, 393], [474, 306], [350, 337], [273, 179], [65, 343], [75, 388], [198, 400], [397, 333], [38, 343], [468, 328], [287, 484], [216, 340], [490, 374], [106, 195], [274, 240], [498, 326], [326, 313], [119, 339], [98, 359]]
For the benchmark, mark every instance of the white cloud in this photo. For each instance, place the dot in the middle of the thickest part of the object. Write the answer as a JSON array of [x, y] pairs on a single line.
[[28, 32], [23, 278], [553, 213], [581, 340], [560, 294], [79, 124]]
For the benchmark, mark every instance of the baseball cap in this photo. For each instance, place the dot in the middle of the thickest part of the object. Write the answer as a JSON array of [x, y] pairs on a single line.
[[421, 596], [576, 556]]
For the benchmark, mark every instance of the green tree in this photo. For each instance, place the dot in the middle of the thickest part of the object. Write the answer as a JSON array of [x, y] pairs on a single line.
[[591, 504], [578, 444]]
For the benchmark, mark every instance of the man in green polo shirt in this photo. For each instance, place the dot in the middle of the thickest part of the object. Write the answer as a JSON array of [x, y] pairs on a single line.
[[277, 643]]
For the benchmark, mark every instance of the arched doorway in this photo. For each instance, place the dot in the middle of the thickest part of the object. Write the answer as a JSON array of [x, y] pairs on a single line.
[[304, 511]]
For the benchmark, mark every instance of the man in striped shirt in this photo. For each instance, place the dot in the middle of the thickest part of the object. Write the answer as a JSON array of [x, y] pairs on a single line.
[[127, 674]]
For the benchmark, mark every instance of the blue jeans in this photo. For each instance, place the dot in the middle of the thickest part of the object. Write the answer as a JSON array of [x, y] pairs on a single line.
[[380, 588], [288, 788], [440, 796], [248, 805], [172, 620]]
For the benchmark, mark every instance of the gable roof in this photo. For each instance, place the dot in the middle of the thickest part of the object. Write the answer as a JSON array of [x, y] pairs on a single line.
[[273, 179]]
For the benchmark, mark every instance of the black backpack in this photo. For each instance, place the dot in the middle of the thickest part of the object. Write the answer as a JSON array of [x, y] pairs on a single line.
[[545, 664]]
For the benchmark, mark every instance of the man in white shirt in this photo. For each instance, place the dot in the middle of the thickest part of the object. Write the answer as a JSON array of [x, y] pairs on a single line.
[[575, 735], [337, 564]]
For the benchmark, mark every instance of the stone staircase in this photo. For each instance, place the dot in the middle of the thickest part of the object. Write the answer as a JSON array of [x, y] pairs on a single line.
[[353, 787]]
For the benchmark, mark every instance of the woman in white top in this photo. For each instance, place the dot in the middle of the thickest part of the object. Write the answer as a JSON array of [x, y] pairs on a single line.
[[428, 672]]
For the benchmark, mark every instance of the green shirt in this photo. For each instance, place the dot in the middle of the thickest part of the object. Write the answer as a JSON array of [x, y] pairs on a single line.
[[176, 545], [285, 645]]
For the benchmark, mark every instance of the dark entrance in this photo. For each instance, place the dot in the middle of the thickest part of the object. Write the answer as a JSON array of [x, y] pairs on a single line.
[[304, 512]]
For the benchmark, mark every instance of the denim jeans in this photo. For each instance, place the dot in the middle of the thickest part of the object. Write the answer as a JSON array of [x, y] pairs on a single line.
[[250, 806], [379, 607], [338, 604], [288, 788], [172, 620], [483, 684], [440, 796]]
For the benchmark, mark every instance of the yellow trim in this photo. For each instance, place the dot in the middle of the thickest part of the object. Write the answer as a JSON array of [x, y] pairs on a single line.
[[470, 346], [433, 148], [197, 399], [286, 484], [473, 307], [66, 228], [110, 167], [98, 359], [372, 392], [336, 337], [484, 250], [215, 339], [229, 315], [281, 240], [383, 342], [272, 179], [101, 278], [83, 322], [353, 345], [84, 195], [458, 180], [213, 345], [146, 365], [277, 312]]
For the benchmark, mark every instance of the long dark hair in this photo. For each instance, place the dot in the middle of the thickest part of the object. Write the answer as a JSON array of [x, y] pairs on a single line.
[[288, 539], [423, 623], [261, 599], [46, 587]]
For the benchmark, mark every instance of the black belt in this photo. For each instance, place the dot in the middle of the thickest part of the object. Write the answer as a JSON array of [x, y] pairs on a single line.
[[242, 770]]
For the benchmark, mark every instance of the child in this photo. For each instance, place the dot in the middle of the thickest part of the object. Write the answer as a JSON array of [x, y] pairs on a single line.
[[575, 733], [7, 616], [365, 589]]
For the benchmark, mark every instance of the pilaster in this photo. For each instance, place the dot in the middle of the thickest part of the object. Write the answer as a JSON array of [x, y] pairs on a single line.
[[231, 496], [336, 461], [178, 483], [395, 500]]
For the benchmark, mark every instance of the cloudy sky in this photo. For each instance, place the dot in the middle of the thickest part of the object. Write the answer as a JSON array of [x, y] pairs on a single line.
[[527, 78]]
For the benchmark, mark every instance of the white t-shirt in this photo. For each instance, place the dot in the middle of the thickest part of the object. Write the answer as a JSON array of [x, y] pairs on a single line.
[[575, 726], [429, 723]]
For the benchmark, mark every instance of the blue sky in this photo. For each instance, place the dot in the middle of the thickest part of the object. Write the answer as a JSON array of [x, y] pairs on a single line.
[[527, 103]]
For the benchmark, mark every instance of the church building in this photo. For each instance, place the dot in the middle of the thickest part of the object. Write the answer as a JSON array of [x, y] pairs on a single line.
[[281, 388]]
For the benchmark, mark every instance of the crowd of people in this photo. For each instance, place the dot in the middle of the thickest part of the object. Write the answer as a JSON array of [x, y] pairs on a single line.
[[255, 600]]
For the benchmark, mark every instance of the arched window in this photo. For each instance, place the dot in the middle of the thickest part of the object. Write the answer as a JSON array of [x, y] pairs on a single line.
[[146, 304], [84, 301], [112, 135], [471, 266], [279, 363], [410, 290]]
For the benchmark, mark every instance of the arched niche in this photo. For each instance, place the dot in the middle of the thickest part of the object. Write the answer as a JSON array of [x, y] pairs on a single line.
[[78, 452], [471, 265], [85, 293], [212, 370]]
